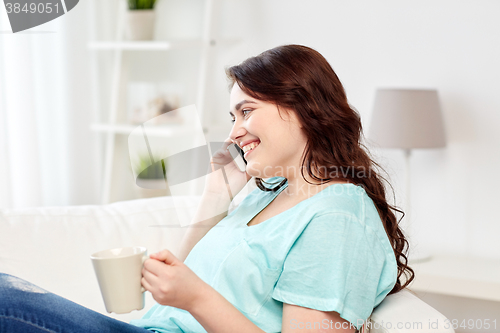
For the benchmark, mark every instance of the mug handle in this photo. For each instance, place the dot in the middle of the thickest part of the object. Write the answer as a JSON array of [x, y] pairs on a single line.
[[143, 260]]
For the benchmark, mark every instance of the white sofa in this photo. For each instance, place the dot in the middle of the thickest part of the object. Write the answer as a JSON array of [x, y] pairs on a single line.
[[50, 247]]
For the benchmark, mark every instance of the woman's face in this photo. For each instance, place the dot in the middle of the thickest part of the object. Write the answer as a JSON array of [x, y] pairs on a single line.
[[273, 141]]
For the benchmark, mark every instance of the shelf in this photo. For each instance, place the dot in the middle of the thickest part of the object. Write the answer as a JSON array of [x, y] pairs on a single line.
[[145, 45], [116, 127], [160, 130], [457, 275]]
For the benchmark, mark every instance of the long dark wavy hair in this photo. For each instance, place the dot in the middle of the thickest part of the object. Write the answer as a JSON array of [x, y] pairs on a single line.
[[300, 79]]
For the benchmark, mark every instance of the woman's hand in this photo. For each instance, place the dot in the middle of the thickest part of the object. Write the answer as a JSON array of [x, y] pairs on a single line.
[[171, 282], [225, 173]]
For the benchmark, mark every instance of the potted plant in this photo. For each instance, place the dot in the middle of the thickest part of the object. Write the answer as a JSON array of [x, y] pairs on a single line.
[[140, 19], [151, 178]]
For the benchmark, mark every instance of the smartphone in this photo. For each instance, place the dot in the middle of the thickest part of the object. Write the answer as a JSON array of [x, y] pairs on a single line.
[[237, 155]]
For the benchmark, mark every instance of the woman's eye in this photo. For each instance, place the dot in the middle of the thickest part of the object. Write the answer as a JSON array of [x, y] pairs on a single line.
[[245, 113]]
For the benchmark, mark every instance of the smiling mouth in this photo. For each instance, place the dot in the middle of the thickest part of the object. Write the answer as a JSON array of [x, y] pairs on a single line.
[[249, 147]]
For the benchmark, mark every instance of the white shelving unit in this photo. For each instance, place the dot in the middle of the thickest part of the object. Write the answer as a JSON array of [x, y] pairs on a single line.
[[146, 45], [126, 129], [116, 124], [458, 275]]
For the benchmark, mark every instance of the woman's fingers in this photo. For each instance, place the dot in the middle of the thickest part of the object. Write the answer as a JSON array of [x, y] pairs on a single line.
[[223, 148], [165, 256], [222, 156], [149, 279], [227, 143], [148, 274], [146, 284], [155, 266]]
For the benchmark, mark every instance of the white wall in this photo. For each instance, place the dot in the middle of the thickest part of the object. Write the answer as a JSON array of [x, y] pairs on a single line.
[[452, 46]]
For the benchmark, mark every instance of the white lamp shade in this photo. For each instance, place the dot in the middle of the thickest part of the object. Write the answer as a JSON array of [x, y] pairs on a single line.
[[407, 119]]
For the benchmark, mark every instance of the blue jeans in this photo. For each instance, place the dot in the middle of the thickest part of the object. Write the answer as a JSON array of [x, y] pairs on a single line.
[[27, 308]]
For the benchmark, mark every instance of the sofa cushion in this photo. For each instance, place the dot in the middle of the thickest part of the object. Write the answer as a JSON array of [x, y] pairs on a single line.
[[50, 246]]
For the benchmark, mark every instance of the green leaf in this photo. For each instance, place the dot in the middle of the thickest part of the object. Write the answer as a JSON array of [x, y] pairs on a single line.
[[141, 4]]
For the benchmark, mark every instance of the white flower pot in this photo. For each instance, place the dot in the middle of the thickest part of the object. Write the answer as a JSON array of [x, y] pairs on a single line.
[[140, 24], [150, 188]]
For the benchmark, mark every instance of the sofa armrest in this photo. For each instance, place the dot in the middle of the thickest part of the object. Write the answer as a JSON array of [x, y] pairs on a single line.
[[404, 312]]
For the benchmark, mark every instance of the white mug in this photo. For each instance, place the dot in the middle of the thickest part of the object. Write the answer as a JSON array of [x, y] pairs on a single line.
[[119, 273]]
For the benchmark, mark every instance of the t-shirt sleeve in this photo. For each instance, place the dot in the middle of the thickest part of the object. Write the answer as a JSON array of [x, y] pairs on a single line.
[[338, 264]]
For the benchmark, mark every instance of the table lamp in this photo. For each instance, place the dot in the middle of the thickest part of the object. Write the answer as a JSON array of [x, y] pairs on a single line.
[[408, 119]]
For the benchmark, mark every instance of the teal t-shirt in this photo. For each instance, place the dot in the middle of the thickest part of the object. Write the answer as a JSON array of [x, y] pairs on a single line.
[[329, 252]]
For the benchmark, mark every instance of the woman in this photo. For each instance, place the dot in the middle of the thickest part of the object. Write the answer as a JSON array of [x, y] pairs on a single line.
[[315, 248]]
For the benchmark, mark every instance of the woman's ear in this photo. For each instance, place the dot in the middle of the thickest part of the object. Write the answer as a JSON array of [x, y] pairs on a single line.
[[289, 115], [295, 118]]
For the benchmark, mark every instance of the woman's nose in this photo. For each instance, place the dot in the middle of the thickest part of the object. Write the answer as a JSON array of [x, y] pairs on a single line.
[[237, 131]]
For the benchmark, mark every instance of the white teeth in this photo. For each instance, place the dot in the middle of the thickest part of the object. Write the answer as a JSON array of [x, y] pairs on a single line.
[[250, 146]]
